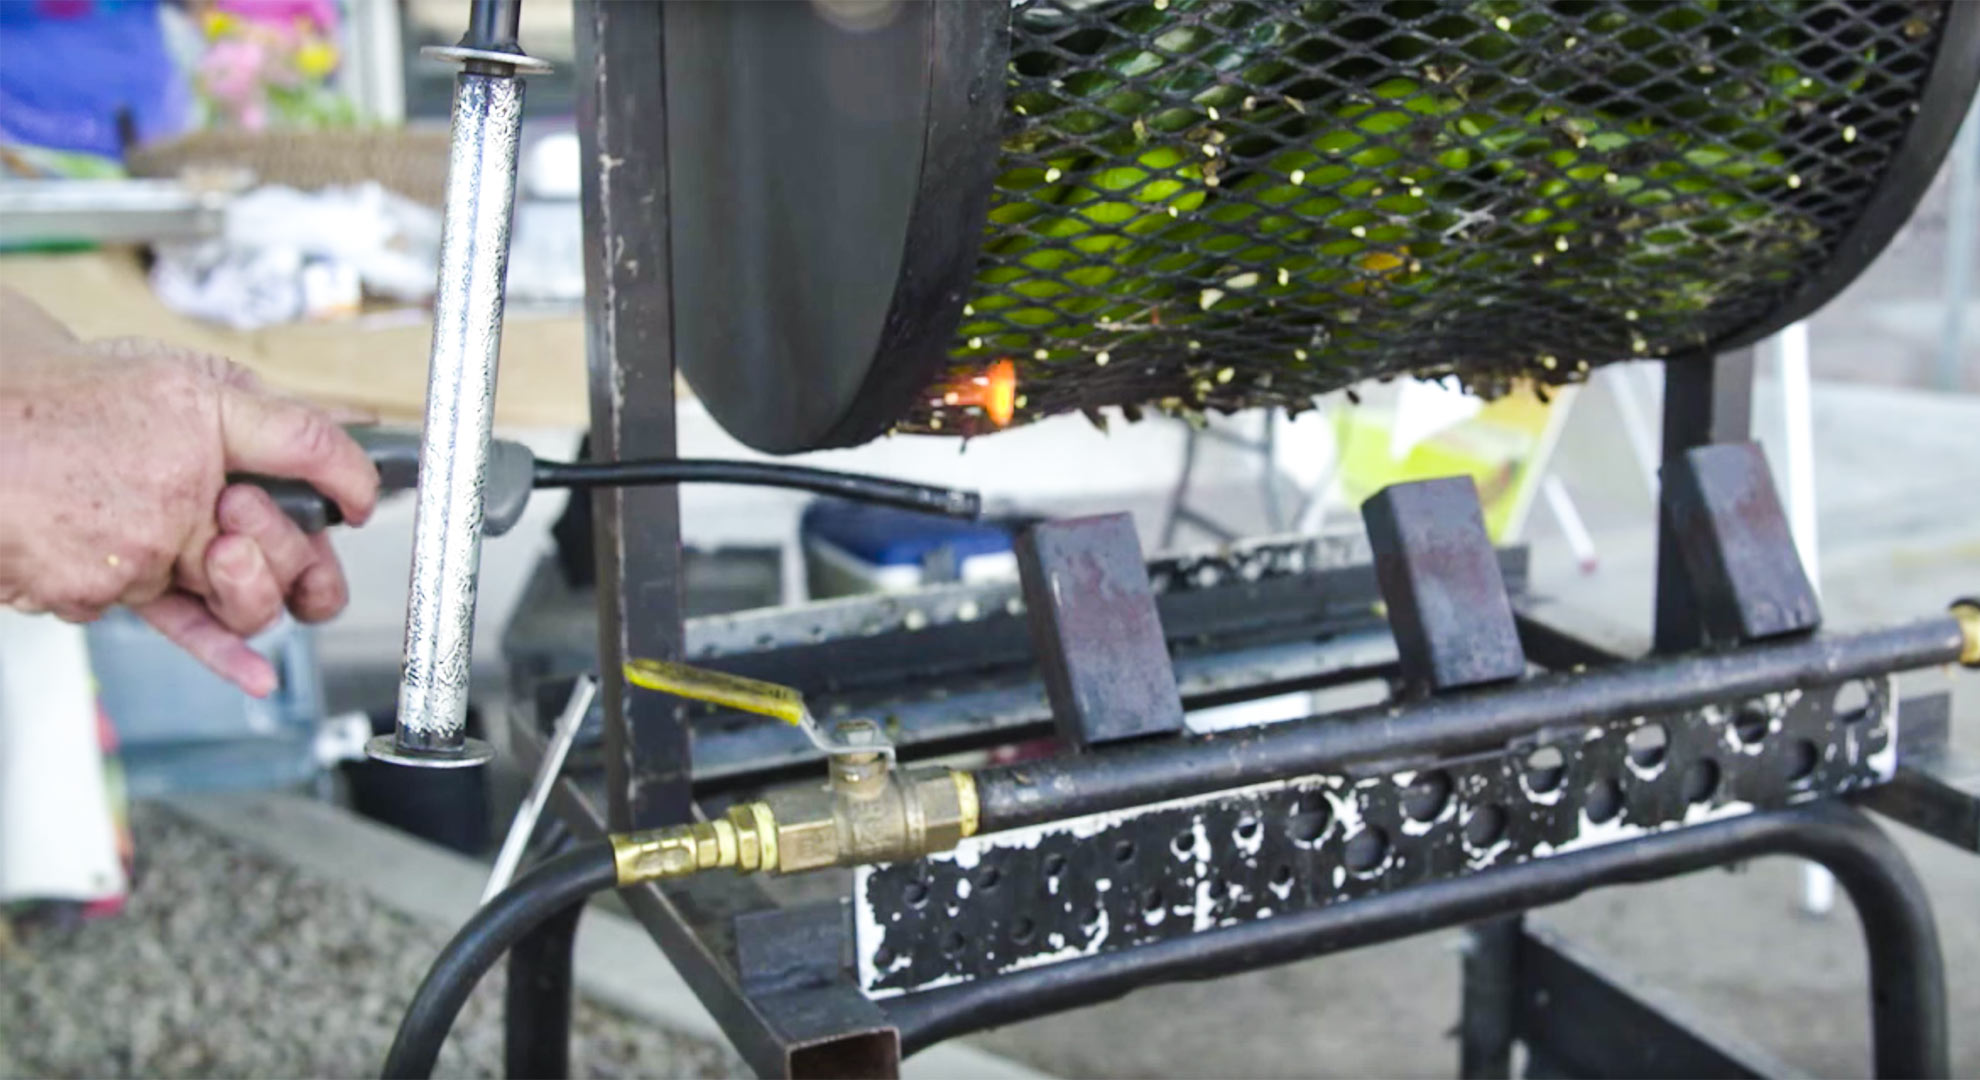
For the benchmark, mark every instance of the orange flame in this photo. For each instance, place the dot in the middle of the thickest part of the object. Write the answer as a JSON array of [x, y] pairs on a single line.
[[994, 391]]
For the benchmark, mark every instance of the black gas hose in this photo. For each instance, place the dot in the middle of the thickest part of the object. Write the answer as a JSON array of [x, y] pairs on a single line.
[[925, 498], [543, 892]]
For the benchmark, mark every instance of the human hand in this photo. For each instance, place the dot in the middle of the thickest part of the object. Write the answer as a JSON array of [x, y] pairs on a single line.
[[116, 456]]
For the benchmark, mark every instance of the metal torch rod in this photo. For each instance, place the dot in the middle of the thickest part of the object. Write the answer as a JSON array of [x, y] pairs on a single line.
[[460, 394]]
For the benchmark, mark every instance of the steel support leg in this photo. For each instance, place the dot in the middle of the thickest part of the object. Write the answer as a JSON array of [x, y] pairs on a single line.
[[537, 1002], [629, 338], [1706, 400], [1489, 1009]]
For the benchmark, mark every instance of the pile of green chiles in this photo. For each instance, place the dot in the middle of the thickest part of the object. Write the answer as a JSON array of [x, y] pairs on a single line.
[[1302, 190]]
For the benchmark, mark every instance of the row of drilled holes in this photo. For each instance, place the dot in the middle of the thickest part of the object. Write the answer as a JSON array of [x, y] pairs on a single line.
[[1424, 800]]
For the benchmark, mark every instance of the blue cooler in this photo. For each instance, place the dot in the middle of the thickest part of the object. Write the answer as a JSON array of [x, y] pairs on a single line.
[[852, 548]]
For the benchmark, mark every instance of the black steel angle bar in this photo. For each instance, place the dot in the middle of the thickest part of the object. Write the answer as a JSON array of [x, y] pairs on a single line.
[[1580, 1021]]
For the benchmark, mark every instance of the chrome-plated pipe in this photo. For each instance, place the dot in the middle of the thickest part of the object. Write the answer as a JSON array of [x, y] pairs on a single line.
[[460, 406]]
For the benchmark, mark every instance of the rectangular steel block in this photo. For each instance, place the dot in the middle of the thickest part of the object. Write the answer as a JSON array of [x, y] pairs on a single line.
[[1440, 578], [1739, 554], [1094, 626]]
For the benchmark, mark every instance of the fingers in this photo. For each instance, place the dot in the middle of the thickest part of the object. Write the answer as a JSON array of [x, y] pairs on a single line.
[[275, 437], [188, 624], [248, 510], [245, 597], [305, 567], [321, 592]]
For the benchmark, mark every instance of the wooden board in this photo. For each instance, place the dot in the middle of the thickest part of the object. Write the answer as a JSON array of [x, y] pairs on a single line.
[[376, 361]]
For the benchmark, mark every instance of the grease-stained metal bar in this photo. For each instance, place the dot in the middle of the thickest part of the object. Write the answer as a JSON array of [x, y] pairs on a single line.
[[629, 335], [1133, 775]]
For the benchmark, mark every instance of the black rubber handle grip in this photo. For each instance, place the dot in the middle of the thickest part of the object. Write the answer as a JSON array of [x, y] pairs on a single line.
[[304, 505]]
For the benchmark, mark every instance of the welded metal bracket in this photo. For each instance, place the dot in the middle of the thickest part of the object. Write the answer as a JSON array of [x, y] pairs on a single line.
[[1098, 637], [1527, 984], [1937, 787], [1739, 555], [1447, 602]]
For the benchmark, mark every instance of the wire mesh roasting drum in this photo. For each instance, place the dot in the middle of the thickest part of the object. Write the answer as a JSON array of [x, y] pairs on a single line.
[[1199, 204]]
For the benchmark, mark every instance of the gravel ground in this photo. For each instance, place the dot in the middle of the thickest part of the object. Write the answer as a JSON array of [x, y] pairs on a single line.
[[228, 964]]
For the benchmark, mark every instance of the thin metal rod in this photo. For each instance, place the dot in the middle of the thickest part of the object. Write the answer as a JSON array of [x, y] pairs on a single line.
[[460, 409], [1074, 786], [524, 825], [1907, 970]]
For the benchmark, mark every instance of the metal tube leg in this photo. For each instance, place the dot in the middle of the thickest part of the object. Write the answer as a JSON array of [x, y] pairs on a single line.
[[1707, 399], [537, 1002], [1909, 1028], [1490, 1003], [460, 407]]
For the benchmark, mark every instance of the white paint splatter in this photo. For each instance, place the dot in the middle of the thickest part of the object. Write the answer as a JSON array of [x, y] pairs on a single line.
[[1883, 762], [1542, 798]]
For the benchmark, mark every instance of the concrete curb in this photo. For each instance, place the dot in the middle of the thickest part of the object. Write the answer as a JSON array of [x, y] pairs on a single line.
[[616, 962]]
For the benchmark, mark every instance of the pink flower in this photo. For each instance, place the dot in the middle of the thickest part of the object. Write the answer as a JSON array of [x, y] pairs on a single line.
[[232, 69], [322, 14]]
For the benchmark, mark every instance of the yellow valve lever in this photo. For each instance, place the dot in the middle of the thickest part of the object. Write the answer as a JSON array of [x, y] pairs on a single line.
[[719, 688], [753, 696]]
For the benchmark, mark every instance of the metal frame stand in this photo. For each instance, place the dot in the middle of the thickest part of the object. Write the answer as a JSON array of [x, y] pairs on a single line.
[[772, 967]]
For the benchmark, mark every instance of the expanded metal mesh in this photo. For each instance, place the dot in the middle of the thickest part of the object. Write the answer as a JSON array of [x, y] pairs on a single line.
[[1223, 203]]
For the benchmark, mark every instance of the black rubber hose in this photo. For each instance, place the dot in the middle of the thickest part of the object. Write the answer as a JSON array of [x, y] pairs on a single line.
[[873, 489], [540, 894]]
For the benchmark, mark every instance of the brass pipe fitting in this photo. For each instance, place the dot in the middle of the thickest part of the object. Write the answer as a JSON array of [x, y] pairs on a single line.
[[745, 840], [1967, 613], [860, 818], [867, 813]]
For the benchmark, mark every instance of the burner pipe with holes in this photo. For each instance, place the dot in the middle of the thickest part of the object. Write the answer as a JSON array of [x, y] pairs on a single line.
[[1068, 787], [1908, 1012]]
